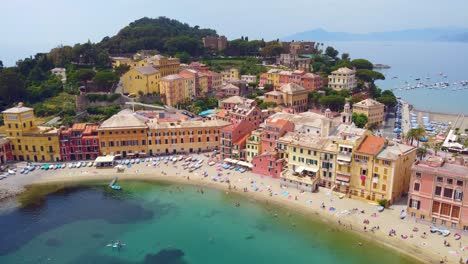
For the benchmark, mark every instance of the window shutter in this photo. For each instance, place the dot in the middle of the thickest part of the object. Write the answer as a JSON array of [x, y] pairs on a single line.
[[419, 204], [410, 203]]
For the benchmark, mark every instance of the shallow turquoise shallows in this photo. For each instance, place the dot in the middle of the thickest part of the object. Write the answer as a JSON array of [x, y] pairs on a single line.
[[164, 223]]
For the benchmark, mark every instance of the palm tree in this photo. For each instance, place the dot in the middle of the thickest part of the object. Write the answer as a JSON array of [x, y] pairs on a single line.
[[416, 133], [411, 136], [437, 147], [421, 152]]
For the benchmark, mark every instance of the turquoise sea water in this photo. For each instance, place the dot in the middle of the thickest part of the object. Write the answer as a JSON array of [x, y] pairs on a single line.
[[411, 60], [162, 223]]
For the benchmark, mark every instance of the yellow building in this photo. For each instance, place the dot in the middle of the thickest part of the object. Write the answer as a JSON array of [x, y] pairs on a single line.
[[173, 89], [254, 145], [230, 74], [141, 80], [29, 141], [290, 95], [343, 78], [125, 134], [347, 141], [375, 111], [392, 168], [203, 84], [381, 171], [118, 61], [184, 136], [189, 84], [165, 66], [274, 77]]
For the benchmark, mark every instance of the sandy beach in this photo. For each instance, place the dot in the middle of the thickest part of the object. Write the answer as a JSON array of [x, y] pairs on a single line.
[[337, 212], [456, 121]]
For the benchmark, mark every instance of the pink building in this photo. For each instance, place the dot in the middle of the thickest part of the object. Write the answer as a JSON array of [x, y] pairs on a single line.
[[274, 129], [436, 192], [5, 151], [268, 164], [234, 139]]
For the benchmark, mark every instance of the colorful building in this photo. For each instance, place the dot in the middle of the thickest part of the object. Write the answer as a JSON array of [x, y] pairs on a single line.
[[165, 66], [79, 142], [230, 74], [254, 144], [173, 89], [436, 192], [234, 139], [274, 129], [268, 164], [5, 151], [190, 136], [141, 80], [124, 134], [30, 142], [343, 78], [375, 111], [249, 78], [189, 84], [293, 96]]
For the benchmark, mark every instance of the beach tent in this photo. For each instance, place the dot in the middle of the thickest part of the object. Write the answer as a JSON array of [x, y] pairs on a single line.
[[104, 161]]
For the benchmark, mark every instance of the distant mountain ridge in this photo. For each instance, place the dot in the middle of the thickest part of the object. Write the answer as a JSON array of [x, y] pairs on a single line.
[[427, 34]]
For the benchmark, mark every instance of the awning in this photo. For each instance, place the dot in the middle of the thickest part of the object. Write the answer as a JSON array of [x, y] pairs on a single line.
[[105, 159], [233, 161], [342, 178], [245, 164], [300, 169], [130, 154], [344, 158], [345, 146], [314, 170]]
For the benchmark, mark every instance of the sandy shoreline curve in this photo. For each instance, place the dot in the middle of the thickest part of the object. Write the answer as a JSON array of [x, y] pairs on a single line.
[[429, 250]]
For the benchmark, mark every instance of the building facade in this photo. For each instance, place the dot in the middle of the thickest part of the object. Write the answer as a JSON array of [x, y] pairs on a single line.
[[174, 89], [293, 96], [30, 142], [124, 134], [215, 43], [79, 142], [184, 136], [343, 78], [141, 80], [436, 193], [375, 111]]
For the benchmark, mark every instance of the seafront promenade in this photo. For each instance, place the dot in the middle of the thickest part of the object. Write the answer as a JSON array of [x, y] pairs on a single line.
[[346, 214]]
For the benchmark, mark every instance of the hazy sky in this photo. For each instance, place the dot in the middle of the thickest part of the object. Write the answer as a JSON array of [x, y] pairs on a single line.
[[38, 25]]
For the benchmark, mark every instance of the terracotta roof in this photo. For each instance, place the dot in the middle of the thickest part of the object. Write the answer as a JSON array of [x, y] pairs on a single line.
[[277, 122], [222, 113], [371, 145], [90, 129], [78, 126], [242, 139]]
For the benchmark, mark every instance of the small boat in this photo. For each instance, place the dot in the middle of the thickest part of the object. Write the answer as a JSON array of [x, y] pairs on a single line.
[[402, 214], [434, 229], [11, 172], [113, 181], [115, 245], [116, 187], [380, 208], [90, 164], [78, 164], [70, 165], [51, 167], [457, 236]]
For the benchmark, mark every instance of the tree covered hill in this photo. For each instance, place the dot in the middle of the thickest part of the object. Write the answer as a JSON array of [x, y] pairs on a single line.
[[158, 33]]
